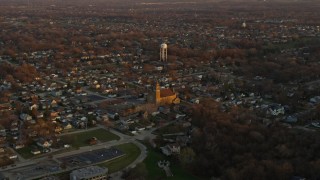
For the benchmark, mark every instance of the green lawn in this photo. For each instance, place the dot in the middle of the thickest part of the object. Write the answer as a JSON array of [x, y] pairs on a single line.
[[81, 139], [25, 152], [154, 172], [131, 151]]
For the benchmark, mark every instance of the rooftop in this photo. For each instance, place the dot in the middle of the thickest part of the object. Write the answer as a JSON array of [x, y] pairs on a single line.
[[88, 172], [166, 92]]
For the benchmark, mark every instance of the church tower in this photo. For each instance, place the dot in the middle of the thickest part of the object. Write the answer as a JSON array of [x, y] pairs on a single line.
[[158, 99]]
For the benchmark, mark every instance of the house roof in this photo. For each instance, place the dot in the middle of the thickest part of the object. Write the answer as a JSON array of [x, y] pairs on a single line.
[[166, 92]]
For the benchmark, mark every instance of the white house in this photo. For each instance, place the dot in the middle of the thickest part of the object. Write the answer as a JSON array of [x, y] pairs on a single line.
[[170, 149], [276, 110], [44, 143], [25, 117]]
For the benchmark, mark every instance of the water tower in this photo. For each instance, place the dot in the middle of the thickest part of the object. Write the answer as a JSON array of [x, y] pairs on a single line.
[[163, 52], [244, 25]]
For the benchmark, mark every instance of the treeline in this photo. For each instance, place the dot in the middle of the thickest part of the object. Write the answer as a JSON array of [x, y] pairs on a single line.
[[23, 73], [232, 146], [281, 71]]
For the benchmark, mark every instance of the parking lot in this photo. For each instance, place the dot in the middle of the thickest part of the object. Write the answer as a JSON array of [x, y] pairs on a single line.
[[91, 157]]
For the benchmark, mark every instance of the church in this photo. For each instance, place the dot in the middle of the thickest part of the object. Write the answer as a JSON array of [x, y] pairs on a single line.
[[164, 96]]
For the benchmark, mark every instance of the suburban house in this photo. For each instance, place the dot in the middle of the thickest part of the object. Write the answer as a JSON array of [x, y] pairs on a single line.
[[18, 145], [25, 117], [35, 151], [170, 149], [66, 125], [34, 106], [44, 143], [2, 131], [182, 140], [276, 110]]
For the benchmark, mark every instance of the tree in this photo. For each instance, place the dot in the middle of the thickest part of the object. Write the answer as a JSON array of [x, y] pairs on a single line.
[[19, 107], [148, 68], [63, 165], [10, 78], [108, 124], [10, 52], [34, 112], [186, 156], [318, 111], [225, 146]]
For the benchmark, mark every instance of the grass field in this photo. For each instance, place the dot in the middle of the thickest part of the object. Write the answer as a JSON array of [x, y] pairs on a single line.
[[81, 139], [25, 152], [131, 151]]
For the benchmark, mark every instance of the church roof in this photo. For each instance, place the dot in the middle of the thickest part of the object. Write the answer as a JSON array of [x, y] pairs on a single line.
[[166, 92]]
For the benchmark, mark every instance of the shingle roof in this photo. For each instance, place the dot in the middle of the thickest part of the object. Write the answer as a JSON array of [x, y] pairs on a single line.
[[166, 93]]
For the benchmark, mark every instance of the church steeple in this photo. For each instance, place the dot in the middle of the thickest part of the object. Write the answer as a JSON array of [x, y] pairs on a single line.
[[157, 92]]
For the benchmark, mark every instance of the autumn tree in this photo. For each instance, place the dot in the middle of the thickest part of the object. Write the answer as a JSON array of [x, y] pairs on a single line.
[[230, 149], [186, 156]]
